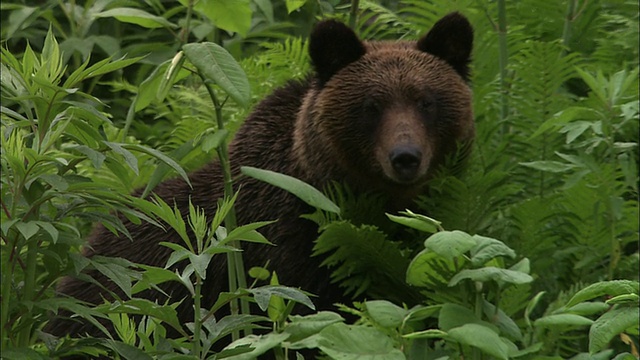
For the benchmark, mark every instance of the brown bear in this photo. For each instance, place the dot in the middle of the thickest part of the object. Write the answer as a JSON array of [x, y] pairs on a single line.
[[377, 116]]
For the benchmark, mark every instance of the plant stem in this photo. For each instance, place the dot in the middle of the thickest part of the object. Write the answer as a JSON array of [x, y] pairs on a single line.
[[502, 61], [197, 325], [29, 289], [235, 263], [568, 20], [353, 14]]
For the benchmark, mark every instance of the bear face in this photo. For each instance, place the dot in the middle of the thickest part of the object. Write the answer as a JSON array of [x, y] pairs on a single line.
[[387, 114]]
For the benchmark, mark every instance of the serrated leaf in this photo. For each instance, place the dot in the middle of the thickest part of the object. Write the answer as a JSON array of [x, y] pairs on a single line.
[[611, 324], [200, 263], [216, 64], [491, 273], [302, 190], [612, 288]]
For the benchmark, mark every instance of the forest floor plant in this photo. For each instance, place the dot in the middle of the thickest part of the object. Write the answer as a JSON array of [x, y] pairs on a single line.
[[554, 175]]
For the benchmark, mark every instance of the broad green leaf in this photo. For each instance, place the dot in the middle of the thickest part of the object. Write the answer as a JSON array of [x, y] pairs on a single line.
[[622, 299], [277, 306], [301, 327], [420, 312], [120, 275], [487, 249], [216, 64], [454, 315], [263, 294], [611, 288], [385, 313], [481, 337], [611, 324], [450, 244], [27, 229], [565, 116], [293, 5], [588, 308], [507, 326], [491, 273], [259, 273], [230, 15], [127, 351], [350, 342], [556, 320], [136, 16], [429, 269], [153, 276], [259, 345], [302, 190]]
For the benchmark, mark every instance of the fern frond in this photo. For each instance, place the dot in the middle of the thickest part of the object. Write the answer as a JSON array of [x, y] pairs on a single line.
[[365, 261]]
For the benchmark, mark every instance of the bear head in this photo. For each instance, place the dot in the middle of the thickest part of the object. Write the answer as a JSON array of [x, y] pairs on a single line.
[[385, 115]]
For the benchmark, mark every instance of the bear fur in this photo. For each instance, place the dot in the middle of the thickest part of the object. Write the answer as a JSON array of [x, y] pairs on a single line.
[[378, 116]]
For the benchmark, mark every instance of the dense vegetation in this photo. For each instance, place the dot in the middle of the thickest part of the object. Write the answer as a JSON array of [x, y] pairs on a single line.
[[534, 253]]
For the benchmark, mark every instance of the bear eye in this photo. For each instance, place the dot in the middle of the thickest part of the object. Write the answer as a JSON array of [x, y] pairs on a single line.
[[371, 106], [426, 104]]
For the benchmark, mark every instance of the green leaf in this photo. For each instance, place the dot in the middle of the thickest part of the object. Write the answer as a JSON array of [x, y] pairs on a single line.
[[259, 273], [213, 140], [450, 244], [138, 306], [27, 229], [302, 190], [548, 166], [129, 158], [127, 351], [293, 5], [216, 64], [429, 269], [347, 342], [481, 337], [491, 273], [385, 313], [454, 315], [612, 288], [301, 327], [418, 222], [487, 249], [507, 326], [248, 233], [200, 263], [136, 16], [151, 90], [263, 294], [259, 344], [160, 156], [611, 324], [229, 15], [562, 320]]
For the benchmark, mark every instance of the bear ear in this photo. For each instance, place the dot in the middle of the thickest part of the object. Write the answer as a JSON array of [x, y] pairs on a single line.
[[451, 39], [332, 46]]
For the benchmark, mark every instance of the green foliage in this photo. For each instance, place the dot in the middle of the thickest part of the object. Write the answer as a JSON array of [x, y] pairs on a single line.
[[98, 99]]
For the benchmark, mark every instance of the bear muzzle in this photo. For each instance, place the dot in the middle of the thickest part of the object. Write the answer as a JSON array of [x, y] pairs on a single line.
[[406, 161]]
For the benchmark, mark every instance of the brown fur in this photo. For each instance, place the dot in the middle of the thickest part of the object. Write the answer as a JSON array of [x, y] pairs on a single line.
[[338, 126]]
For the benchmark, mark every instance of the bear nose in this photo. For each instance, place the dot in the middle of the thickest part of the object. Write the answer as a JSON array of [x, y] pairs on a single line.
[[405, 160]]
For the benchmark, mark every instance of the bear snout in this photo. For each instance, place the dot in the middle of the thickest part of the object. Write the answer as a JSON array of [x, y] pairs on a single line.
[[405, 160]]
